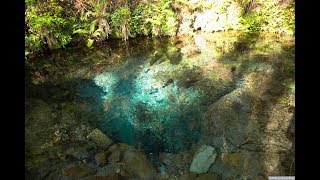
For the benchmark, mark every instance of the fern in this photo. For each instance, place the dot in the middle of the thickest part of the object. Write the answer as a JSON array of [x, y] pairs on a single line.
[[81, 31]]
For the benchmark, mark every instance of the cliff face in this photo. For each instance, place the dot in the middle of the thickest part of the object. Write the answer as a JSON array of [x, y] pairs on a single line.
[[207, 16], [221, 15]]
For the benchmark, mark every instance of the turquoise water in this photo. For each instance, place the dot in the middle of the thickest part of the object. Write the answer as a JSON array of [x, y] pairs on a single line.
[[143, 110]]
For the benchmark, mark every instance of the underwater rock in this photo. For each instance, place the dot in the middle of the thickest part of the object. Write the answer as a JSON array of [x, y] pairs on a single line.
[[203, 158], [137, 165], [79, 152], [109, 170], [114, 157], [174, 162], [192, 176], [78, 172], [100, 138], [208, 176], [188, 176], [101, 158], [231, 158], [133, 163], [117, 147], [111, 177]]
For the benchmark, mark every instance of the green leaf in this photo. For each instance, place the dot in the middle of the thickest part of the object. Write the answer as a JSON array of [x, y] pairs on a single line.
[[90, 43], [93, 26], [80, 31], [98, 32]]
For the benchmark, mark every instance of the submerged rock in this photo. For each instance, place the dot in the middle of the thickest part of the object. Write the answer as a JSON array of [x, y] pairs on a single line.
[[133, 163], [101, 158], [232, 159], [79, 152], [208, 176], [111, 177], [109, 170], [100, 138], [203, 158], [114, 157], [188, 176], [78, 172], [137, 165], [175, 163]]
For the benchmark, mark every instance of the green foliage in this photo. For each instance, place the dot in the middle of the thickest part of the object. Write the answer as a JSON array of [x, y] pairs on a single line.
[[252, 21], [46, 28], [139, 25], [90, 43], [93, 21], [156, 19], [270, 17], [54, 24], [120, 20]]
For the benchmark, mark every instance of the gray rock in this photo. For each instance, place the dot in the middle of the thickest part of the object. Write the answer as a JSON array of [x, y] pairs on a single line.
[[100, 138], [203, 159]]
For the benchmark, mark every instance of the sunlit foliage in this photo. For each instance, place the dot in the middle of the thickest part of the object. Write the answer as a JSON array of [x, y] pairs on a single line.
[[47, 25], [52, 24]]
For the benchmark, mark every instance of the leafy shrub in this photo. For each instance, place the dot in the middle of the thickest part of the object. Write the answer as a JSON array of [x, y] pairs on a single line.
[[155, 18], [46, 26], [120, 22], [93, 21]]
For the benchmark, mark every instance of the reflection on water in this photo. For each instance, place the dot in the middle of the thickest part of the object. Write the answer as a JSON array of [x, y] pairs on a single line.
[[169, 95]]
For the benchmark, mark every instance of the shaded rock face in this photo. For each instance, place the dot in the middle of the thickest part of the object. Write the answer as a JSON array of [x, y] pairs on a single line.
[[100, 138], [208, 18], [203, 158]]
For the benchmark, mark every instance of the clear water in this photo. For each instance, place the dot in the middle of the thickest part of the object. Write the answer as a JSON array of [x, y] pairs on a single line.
[[141, 109], [154, 93]]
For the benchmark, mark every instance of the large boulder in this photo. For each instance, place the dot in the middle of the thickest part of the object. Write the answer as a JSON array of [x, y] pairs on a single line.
[[203, 158], [100, 138]]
